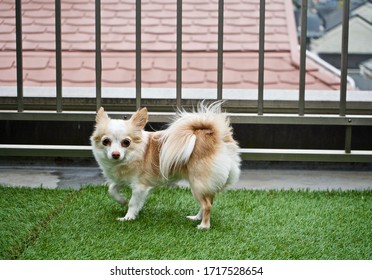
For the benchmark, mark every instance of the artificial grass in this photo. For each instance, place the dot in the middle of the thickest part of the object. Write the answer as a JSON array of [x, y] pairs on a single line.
[[23, 214], [55, 224]]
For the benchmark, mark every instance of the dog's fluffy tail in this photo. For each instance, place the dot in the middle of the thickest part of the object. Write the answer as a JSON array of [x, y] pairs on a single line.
[[202, 129]]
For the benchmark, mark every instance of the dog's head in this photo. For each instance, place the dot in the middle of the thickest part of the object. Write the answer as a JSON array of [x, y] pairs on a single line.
[[116, 139]]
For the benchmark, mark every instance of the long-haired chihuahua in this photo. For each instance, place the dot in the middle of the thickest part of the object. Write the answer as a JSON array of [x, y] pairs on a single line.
[[197, 146]]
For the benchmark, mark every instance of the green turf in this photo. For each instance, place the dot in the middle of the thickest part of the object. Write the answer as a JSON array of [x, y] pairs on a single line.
[[45, 224], [23, 214]]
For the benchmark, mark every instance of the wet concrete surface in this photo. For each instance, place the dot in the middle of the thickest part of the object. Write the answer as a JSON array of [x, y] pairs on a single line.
[[76, 177]]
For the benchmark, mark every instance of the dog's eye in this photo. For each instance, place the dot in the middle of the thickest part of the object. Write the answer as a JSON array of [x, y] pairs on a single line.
[[125, 143], [106, 142]]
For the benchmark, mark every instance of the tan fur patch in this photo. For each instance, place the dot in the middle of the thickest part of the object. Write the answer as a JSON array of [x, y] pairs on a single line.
[[206, 141], [150, 165]]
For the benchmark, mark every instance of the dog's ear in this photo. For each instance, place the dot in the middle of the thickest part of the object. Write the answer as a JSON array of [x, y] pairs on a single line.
[[101, 115], [140, 118]]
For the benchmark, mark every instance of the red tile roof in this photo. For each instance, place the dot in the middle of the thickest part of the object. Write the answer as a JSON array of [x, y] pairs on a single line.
[[158, 44]]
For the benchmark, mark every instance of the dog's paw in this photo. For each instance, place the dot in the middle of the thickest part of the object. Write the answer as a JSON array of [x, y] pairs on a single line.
[[123, 219], [127, 217], [194, 218], [203, 227]]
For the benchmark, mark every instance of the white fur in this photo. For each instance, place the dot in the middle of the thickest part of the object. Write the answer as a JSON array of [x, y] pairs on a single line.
[[175, 153]]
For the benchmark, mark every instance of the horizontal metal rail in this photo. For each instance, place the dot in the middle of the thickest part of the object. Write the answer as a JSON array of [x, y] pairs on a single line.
[[246, 154], [308, 155], [237, 118], [46, 151]]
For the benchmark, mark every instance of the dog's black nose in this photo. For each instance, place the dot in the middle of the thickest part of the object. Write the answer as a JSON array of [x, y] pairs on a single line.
[[115, 155]]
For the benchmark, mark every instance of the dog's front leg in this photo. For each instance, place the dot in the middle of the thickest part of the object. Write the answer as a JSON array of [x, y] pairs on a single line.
[[114, 191], [136, 202]]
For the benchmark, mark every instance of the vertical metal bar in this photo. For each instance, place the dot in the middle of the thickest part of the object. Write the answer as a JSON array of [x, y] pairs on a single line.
[[19, 55], [58, 55], [220, 49], [138, 55], [303, 41], [261, 57], [344, 56], [179, 55], [348, 133], [98, 56]]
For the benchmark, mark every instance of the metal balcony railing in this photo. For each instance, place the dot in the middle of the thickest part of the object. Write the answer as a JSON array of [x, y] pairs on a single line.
[[295, 116]]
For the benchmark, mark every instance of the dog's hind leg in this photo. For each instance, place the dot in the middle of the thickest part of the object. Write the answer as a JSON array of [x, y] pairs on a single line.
[[205, 199], [204, 213], [114, 191], [206, 205], [197, 217]]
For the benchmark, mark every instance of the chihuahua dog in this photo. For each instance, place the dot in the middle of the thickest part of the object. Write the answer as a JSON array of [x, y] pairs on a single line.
[[197, 146]]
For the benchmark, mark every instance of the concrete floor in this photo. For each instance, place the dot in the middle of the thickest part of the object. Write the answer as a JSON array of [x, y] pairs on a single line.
[[77, 177]]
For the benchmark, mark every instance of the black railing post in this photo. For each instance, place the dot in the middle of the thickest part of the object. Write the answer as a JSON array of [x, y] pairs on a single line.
[[98, 56], [19, 55], [348, 137], [58, 55], [344, 56], [303, 42], [179, 55], [220, 49], [138, 55], [261, 58]]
